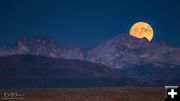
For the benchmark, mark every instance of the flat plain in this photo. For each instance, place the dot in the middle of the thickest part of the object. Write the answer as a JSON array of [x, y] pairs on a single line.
[[83, 94]]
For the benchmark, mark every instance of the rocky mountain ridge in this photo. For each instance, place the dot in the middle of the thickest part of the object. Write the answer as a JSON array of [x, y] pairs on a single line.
[[118, 52]]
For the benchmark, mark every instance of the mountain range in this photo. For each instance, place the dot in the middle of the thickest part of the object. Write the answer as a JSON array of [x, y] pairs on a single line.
[[120, 61], [117, 52]]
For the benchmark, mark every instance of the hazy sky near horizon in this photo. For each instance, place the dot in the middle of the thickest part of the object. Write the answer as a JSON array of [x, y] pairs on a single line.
[[86, 22]]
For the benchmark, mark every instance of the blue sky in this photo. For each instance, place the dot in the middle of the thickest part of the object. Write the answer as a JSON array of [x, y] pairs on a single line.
[[86, 22]]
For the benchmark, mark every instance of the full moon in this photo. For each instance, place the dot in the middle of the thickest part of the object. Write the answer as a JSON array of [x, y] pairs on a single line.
[[142, 30]]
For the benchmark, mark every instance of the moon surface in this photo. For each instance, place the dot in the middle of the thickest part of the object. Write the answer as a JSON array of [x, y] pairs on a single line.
[[142, 30]]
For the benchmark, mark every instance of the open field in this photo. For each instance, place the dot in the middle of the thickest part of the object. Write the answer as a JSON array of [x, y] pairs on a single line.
[[83, 94]]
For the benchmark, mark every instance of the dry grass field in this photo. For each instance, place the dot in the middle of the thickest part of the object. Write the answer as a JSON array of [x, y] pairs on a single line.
[[83, 94]]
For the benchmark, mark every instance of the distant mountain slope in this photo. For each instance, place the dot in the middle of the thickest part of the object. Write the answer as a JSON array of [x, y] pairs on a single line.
[[31, 71], [168, 75], [117, 52], [29, 66], [27, 71]]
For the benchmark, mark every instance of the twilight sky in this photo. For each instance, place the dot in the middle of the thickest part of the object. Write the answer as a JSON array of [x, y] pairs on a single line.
[[86, 22]]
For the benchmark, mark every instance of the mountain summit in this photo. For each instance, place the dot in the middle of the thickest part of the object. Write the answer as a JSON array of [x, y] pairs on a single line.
[[124, 50]]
